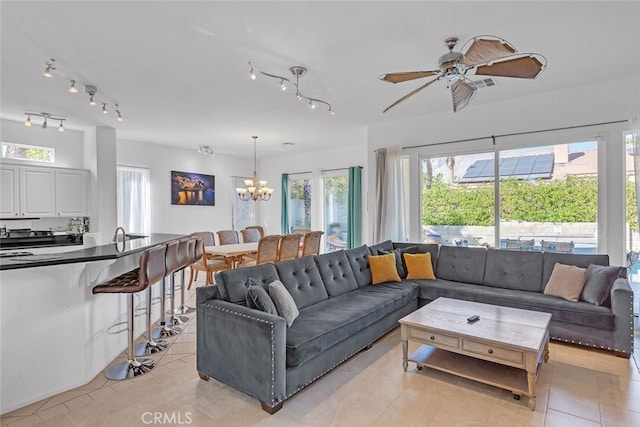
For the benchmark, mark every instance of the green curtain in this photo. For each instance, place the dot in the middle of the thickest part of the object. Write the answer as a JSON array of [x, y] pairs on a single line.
[[354, 216], [284, 220]]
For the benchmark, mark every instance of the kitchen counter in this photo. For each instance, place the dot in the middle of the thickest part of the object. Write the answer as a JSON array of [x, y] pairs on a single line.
[[111, 251], [41, 241]]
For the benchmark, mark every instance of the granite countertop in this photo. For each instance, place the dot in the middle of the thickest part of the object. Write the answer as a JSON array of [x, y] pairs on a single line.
[[97, 253]]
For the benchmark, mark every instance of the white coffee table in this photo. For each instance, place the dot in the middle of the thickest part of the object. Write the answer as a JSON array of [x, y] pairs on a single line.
[[505, 348]]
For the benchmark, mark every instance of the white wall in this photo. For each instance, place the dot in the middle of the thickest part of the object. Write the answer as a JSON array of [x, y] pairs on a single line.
[[68, 144], [315, 162], [603, 102], [161, 160]]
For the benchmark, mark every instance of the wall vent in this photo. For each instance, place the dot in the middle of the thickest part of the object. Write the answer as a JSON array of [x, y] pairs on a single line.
[[487, 82]]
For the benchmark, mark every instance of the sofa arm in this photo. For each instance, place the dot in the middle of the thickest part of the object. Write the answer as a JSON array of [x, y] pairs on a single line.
[[243, 348], [622, 308]]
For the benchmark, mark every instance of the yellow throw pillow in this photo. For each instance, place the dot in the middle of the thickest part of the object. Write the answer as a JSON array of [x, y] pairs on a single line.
[[383, 268], [419, 266]]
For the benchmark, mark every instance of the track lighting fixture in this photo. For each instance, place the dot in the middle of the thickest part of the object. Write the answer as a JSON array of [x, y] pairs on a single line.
[[48, 72], [207, 150], [46, 117], [297, 71], [91, 90], [73, 89]]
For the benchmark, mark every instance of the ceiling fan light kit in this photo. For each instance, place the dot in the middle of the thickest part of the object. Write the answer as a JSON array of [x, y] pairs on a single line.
[[488, 55], [296, 71]]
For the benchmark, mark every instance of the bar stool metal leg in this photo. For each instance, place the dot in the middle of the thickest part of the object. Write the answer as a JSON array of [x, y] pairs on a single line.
[[173, 319], [166, 330], [150, 346], [132, 367], [183, 309]]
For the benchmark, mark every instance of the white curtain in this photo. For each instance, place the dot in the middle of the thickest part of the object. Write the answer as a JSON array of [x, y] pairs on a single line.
[[134, 200], [392, 217], [242, 212]]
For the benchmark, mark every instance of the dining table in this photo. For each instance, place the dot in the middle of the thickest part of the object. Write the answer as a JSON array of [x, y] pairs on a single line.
[[233, 253]]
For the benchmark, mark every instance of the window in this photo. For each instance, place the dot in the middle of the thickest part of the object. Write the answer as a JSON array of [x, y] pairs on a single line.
[[336, 191], [28, 152], [134, 200], [299, 202], [546, 198], [242, 212]]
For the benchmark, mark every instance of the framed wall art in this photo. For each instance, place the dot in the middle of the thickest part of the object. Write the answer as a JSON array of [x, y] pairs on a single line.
[[189, 188]]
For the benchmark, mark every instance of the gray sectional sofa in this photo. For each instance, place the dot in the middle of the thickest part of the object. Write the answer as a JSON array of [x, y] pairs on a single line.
[[342, 313]]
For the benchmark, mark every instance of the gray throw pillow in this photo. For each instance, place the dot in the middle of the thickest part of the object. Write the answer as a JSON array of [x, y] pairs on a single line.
[[401, 265], [599, 281], [284, 302], [259, 299]]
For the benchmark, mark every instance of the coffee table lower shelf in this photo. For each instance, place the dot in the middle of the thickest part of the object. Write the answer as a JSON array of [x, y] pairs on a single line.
[[494, 374]]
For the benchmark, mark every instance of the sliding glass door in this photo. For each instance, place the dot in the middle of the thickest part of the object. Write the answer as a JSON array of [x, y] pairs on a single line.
[[299, 202], [336, 191]]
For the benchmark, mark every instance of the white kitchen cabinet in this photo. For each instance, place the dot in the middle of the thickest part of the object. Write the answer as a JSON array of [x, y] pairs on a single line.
[[37, 192], [10, 191], [71, 192]]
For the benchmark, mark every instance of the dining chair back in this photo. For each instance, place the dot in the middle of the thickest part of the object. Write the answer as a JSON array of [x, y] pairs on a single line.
[[257, 227], [311, 245], [205, 262], [289, 247], [250, 235], [206, 236], [268, 249], [228, 237]]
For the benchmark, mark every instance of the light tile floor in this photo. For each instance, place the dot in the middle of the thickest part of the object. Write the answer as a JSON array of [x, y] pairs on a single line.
[[578, 387]]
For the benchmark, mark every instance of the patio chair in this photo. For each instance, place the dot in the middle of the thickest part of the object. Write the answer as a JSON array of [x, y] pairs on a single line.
[[564, 247], [336, 242]]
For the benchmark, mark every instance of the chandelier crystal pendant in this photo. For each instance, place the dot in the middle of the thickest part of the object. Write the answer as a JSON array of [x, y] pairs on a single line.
[[256, 189]]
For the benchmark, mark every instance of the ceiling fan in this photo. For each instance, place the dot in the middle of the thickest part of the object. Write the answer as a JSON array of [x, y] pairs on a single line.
[[488, 55]]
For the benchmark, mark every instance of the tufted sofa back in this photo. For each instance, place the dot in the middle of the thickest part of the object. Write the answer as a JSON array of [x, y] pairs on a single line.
[[302, 279]]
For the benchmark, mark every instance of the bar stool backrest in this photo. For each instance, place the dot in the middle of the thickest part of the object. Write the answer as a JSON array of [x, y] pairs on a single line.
[[152, 265], [191, 248], [199, 249], [184, 256], [172, 259]]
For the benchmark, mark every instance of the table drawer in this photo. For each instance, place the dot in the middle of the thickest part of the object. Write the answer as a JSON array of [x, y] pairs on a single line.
[[436, 339], [494, 352]]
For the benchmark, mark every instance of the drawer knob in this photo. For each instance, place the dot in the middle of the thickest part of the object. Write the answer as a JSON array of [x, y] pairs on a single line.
[[432, 338], [490, 351]]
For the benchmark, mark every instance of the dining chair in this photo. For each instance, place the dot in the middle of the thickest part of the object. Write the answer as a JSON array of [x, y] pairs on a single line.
[[250, 235], [311, 245], [257, 227], [267, 251], [289, 247], [228, 237], [209, 240], [207, 263]]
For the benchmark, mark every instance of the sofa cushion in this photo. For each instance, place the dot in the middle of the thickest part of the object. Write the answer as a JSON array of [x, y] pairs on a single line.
[[580, 313], [514, 270], [566, 281], [379, 248], [358, 259], [461, 264], [401, 267], [432, 248], [599, 282], [329, 322], [336, 273], [283, 301], [419, 266], [383, 268], [259, 299], [233, 284], [302, 279], [549, 259]]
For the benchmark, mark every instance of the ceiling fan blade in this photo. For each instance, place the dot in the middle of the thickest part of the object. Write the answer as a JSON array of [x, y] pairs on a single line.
[[524, 67], [411, 94], [410, 75], [462, 91], [485, 49]]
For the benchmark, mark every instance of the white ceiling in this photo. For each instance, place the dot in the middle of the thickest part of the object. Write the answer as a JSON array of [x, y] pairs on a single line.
[[179, 70]]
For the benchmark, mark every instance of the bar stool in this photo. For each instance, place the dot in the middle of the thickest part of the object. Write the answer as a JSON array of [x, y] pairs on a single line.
[[174, 264], [167, 327], [186, 253], [152, 268]]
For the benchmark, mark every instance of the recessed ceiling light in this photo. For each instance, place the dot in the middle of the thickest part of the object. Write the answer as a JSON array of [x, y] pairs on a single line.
[[288, 143]]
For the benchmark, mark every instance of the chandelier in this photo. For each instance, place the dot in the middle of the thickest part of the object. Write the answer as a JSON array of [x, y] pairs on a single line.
[[256, 190]]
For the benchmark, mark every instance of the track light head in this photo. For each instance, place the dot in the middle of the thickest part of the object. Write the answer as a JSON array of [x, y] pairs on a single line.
[[283, 86], [48, 72], [27, 122], [104, 108], [119, 114], [44, 124], [91, 90], [73, 89], [60, 128]]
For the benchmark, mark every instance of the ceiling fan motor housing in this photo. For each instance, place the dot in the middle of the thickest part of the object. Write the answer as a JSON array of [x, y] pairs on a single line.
[[450, 63]]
